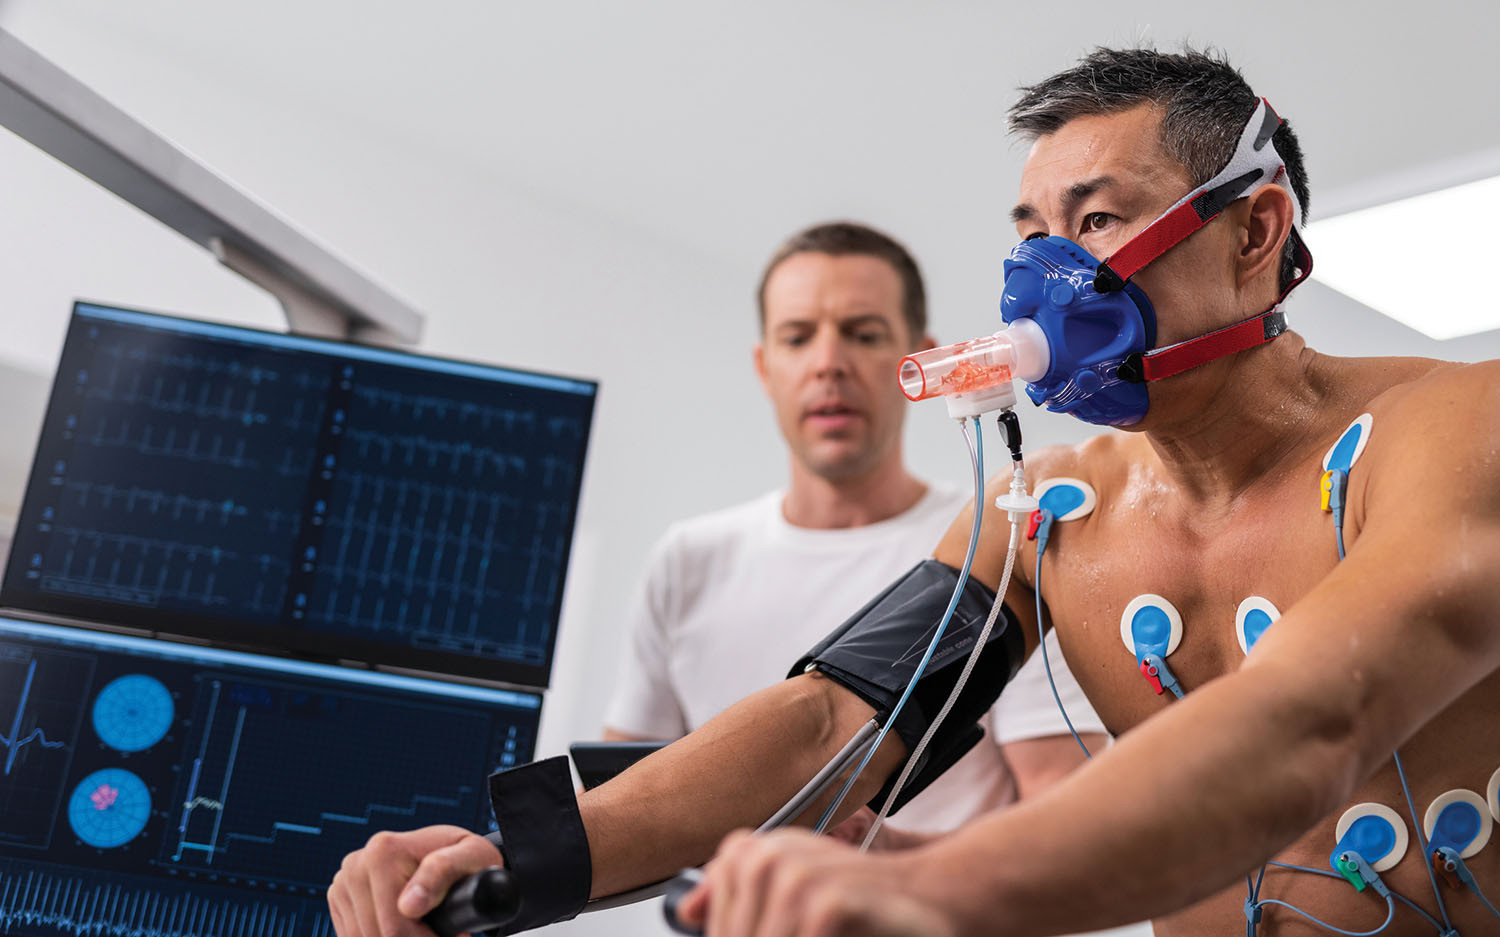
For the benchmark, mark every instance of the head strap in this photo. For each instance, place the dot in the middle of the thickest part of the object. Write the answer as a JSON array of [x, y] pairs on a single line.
[[1255, 162]]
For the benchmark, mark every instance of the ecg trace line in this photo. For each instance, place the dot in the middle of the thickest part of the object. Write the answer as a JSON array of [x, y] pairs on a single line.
[[14, 744], [111, 911]]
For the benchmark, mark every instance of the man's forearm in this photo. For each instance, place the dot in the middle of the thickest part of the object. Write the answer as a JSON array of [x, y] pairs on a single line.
[[672, 809], [1132, 836]]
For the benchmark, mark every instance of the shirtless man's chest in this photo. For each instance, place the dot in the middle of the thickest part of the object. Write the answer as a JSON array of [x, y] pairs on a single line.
[[1274, 543]]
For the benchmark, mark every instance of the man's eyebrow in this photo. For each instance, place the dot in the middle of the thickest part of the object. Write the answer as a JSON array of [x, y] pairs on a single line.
[[1082, 190], [869, 318], [1070, 198]]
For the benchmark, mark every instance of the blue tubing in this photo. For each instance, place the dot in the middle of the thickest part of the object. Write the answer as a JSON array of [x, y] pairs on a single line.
[[976, 458]]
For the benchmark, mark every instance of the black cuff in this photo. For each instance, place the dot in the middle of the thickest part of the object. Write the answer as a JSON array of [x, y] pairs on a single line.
[[542, 839], [875, 654]]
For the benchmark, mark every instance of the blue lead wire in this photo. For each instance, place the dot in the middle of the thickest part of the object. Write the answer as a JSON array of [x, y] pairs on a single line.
[[1329, 874], [1337, 506], [1480, 895], [1416, 823], [1036, 585], [1390, 914], [976, 456]]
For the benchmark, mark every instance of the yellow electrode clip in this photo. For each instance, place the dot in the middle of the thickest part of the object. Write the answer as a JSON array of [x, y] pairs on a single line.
[[1326, 489]]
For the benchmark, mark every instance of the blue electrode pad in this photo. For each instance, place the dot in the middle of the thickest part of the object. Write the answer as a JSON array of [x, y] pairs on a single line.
[[1251, 620], [1150, 625], [1375, 831], [1067, 498], [1493, 792], [1460, 820], [1343, 454]]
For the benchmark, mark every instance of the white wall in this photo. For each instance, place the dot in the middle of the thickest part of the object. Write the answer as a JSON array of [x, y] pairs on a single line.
[[632, 259]]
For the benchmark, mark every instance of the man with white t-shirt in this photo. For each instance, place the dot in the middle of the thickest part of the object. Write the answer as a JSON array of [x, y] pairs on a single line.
[[732, 598]]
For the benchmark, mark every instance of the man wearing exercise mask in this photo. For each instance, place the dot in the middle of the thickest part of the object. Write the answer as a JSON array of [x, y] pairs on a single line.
[[1306, 548]]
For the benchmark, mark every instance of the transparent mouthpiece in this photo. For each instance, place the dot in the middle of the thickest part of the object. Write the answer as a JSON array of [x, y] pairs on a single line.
[[957, 369], [1017, 352]]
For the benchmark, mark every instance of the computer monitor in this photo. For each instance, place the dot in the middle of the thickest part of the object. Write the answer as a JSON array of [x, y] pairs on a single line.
[[154, 789], [286, 494]]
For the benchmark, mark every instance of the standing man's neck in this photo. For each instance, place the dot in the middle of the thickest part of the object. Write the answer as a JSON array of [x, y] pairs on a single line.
[[824, 504]]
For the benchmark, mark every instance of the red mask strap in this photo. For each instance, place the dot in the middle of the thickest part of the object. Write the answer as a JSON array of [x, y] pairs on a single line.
[[1246, 334], [1254, 161]]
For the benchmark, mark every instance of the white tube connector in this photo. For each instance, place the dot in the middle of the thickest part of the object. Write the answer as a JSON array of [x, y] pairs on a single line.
[[1018, 502]]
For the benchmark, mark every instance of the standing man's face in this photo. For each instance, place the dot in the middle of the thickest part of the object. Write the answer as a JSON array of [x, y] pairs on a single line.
[[834, 336]]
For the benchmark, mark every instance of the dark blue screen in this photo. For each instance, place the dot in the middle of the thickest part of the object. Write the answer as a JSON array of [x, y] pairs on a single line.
[[149, 789], [302, 496]]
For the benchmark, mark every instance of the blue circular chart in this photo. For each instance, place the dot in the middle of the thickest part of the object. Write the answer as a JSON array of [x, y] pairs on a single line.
[[109, 808], [133, 712]]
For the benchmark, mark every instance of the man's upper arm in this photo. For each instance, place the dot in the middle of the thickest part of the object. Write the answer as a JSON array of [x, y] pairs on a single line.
[[1406, 623], [989, 557]]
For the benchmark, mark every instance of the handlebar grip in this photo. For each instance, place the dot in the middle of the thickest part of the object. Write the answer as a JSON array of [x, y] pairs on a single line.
[[674, 892], [479, 902]]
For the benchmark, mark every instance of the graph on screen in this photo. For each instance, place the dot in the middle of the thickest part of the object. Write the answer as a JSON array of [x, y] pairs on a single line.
[[305, 496], [42, 695], [154, 790]]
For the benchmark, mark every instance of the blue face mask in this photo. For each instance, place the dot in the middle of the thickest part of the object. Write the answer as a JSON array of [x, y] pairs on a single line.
[[1091, 334], [1101, 328]]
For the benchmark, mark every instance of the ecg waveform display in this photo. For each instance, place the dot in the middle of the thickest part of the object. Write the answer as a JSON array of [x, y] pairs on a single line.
[[183, 787], [42, 695], [294, 494], [42, 899]]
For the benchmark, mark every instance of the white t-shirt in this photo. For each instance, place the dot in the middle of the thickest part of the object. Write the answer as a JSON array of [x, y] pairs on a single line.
[[732, 599]]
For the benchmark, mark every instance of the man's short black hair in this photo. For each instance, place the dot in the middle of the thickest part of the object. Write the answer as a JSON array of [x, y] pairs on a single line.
[[1205, 104], [846, 238]]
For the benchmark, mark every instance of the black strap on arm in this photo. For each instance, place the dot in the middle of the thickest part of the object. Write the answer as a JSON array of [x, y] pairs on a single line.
[[876, 652], [542, 839]]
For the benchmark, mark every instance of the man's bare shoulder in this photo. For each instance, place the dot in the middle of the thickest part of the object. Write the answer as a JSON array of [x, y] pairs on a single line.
[[1429, 390], [1432, 438], [1095, 460]]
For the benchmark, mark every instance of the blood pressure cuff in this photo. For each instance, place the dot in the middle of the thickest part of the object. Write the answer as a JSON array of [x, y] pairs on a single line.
[[542, 840], [876, 652]]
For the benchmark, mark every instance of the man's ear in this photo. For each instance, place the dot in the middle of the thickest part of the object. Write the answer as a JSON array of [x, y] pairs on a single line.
[[927, 342], [760, 365], [1268, 224]]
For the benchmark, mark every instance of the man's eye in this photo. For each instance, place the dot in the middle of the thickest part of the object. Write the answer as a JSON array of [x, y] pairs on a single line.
[[869, 338], [794, 341], [1035, 235], [1097, 221]]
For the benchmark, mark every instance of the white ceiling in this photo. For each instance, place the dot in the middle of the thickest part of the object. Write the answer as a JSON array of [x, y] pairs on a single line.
[[718, 126]]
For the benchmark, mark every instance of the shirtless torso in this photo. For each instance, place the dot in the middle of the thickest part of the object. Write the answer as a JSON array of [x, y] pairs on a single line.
[[1148, 535]]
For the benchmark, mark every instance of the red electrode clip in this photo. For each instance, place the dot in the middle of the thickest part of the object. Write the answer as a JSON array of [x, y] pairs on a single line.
[[1440, 866], [1151, 676], [1034, 524]]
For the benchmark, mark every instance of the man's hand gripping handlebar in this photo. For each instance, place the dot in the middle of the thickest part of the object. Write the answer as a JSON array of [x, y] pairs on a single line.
[[391, 887]]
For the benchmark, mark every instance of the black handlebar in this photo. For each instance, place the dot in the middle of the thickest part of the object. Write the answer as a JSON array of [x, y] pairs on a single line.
[[674, 892], [484, 900]]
